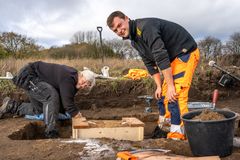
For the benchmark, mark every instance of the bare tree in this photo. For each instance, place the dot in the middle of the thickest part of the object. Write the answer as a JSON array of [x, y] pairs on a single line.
[[91, 36], [233, 45], [78, 37], [115, 44], [17, 44], [81, 37], [123, 48], [210, 47], [10, 41]]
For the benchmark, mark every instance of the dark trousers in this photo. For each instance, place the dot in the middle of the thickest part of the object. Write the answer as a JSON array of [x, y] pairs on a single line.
[[44, 98]]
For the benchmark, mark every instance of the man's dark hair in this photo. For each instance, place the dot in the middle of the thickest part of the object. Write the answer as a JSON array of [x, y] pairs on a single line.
[[113, 15]]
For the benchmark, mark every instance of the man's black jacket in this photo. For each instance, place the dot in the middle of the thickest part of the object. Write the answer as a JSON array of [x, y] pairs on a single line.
[[61, 77], [159, 42]]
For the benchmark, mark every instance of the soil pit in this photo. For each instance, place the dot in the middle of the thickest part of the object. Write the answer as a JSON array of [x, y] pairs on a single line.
[[35, 130], [209, 115]]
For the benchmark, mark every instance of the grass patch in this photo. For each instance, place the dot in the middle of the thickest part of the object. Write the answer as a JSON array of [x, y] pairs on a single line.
[[6, 86]]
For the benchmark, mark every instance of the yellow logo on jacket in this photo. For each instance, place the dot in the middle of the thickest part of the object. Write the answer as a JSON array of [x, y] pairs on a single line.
[[139, 32]]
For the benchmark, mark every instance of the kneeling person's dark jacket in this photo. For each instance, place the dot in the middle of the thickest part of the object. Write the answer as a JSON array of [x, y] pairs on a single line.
[[62, 78]]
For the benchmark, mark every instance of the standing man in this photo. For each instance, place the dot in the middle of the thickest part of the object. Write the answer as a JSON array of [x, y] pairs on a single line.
[[168, 47], [51, 88]]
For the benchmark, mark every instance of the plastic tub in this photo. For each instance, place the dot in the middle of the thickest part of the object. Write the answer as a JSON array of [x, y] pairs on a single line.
[[207, 138]]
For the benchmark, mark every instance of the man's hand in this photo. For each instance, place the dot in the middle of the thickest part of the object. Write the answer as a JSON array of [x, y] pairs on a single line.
[[78, 115], [157, 79], [171, 91], [171, 94], [158, 93]]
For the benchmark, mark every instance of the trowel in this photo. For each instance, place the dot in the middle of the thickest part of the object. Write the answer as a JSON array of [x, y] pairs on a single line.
[[205, 105]]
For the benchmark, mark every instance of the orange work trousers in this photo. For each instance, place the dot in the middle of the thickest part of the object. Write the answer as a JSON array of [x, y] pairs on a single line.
[[183, 68]]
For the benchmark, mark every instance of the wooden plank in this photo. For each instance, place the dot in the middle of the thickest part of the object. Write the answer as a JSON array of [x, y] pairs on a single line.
[[132, 121], [156, 155], [204, 158], [181, 158], [80, 123], [74, 133], [119, 133], [127, 129], [148, 155]]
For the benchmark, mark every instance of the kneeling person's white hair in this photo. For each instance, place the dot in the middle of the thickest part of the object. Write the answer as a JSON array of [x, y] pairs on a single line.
[[89, 76]]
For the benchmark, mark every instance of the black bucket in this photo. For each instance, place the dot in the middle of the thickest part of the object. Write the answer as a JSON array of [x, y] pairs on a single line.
[[208, 138]]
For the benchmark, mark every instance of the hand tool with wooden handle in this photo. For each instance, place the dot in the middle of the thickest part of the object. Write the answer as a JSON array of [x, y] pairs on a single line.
[[205, 105], [214, 98]]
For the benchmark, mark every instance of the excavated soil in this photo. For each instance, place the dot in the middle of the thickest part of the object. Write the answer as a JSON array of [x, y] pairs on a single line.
[[209, 115], [23, 139]]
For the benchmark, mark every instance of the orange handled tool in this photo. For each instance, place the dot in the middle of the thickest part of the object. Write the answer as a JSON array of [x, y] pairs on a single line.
[[214, 98], [125, 155]]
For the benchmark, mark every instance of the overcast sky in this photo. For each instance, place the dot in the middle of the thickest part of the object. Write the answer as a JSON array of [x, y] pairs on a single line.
[[53, 22]]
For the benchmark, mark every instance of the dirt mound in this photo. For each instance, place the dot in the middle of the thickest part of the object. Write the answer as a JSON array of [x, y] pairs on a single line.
[[209, 115]]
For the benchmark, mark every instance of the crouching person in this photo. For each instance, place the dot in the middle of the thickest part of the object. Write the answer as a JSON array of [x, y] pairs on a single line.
[[51, 88]]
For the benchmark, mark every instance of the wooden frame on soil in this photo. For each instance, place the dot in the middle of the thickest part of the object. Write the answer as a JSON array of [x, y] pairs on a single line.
[[129, 128]]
